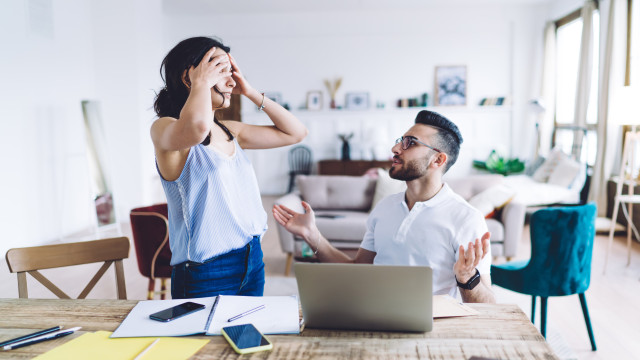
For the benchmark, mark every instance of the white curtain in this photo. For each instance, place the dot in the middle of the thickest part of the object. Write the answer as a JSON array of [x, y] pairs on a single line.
[[613, 15], [548, 89], [585, 68]]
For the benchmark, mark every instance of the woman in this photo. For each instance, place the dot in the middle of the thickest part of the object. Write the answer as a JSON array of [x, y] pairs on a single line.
[[216, 216]]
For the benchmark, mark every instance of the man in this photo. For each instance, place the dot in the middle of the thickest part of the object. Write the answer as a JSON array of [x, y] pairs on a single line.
[[428, 225]]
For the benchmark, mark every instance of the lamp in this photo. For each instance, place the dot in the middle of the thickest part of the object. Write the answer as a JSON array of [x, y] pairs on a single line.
[[625, 110], [537, 107]]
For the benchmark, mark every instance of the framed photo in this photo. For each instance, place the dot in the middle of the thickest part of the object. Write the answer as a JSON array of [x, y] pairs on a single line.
[[451, 85], [357, 101], [314, 100]]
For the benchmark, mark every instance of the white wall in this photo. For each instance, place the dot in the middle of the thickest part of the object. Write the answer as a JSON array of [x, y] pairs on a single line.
[[54, 55], [46, 71]]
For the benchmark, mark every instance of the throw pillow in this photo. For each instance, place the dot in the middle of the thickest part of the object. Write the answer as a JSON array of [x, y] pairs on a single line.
[[386, 186], [565, 172], [492, 199], [544, 171], [534, 165]]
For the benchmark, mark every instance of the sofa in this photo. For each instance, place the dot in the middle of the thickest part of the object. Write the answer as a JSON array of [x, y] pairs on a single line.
[[342, 205]]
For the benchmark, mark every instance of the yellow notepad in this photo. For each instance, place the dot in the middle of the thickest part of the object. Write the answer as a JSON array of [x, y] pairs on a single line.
[[99, 346]]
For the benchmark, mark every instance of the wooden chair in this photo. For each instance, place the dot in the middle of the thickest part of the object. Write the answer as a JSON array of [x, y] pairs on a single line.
[[31, 259]]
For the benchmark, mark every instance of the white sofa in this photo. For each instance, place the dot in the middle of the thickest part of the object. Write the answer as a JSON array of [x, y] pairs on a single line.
[[342, 205]]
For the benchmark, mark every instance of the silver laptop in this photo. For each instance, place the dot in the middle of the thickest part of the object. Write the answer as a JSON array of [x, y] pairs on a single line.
[[365, 297]]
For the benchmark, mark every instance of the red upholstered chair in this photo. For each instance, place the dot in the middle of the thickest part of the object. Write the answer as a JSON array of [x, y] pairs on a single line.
[[150, 229]]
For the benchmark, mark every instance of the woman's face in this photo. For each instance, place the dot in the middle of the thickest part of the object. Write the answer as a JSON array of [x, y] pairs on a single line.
[[223, 86]]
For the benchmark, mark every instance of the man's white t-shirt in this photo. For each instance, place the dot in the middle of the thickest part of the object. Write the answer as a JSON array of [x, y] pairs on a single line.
[[428, 235]]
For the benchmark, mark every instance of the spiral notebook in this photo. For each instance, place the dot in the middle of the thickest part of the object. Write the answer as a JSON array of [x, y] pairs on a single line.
[[280, 315]]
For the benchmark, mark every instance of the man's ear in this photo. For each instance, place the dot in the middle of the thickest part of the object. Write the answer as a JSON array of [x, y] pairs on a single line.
[[440, 160], [185, 79]]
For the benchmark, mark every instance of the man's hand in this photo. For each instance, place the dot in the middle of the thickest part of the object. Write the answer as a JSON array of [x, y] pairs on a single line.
[[465, 267], [303, 225]]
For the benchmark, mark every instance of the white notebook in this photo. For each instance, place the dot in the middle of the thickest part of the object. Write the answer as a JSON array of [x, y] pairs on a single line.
[[280, 315]]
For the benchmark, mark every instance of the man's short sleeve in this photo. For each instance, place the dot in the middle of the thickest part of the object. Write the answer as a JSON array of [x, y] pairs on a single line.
[[368, 242], [474, 228]]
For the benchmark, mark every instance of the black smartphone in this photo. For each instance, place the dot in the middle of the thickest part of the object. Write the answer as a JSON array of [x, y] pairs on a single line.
[[177, 311], [246, 339]]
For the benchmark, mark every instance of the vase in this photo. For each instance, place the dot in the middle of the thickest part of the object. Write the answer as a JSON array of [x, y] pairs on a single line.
[[332, 104], [346, 151]]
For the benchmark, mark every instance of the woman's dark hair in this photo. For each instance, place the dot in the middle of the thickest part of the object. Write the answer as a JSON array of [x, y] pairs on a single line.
[[170, 100]]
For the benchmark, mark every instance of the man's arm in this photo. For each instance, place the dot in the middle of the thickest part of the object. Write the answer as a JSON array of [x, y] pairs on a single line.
[[482, 293], [465, 268], [304, 226]]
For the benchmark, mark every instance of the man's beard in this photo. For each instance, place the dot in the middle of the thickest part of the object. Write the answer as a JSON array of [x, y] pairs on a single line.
[[410, 171]]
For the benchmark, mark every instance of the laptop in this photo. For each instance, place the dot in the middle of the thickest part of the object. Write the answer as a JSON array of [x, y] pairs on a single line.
[[366, 297]]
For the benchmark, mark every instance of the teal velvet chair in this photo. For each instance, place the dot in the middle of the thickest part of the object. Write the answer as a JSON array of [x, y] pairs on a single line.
[[560, 264]]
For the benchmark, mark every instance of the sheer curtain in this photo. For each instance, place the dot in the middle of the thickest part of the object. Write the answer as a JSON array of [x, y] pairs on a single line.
[[548, 88], [585, 67], [612, 66]]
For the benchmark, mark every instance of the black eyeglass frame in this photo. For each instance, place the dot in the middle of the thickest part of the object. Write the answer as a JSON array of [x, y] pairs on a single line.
[[410, 141]]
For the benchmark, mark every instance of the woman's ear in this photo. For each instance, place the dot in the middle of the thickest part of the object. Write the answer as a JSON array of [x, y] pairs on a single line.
[[185, 79]]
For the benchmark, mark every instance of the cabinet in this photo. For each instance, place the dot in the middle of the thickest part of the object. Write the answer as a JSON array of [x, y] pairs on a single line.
[[350, 167]]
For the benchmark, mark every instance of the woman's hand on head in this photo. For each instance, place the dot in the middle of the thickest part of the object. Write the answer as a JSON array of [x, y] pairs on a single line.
[[210, 71], [242, 86]]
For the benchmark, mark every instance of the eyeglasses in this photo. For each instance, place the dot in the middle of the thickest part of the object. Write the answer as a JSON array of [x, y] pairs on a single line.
[[408, 141]]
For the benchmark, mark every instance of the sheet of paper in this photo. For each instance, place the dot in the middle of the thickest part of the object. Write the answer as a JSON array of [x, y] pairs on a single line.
[[281, 314], [446, 306], [138, 323], [98, 346]]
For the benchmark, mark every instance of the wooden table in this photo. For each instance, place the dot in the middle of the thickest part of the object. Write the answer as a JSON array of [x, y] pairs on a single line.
[[500, 331]]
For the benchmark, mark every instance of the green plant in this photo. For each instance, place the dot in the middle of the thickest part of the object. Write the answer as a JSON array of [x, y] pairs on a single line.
[[499, 165]]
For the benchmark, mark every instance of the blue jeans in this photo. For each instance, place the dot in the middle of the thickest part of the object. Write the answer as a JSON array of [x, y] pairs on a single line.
[[238, 272]]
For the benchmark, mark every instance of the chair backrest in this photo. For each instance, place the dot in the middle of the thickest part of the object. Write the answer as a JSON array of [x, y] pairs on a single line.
[[300, 160], [31, 259], [561, 247], [150, 229]]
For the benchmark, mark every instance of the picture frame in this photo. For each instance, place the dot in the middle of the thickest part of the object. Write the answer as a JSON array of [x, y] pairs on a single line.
[[450, 85], [314, 100], [357, 101]]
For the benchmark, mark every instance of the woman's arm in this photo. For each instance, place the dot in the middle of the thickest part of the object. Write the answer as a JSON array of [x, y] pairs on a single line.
[[286, 128]]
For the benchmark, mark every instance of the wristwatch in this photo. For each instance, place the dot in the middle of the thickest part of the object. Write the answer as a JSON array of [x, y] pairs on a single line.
[[473, 282]]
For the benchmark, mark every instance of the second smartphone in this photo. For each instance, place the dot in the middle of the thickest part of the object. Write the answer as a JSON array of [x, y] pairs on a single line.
[[246, 339]]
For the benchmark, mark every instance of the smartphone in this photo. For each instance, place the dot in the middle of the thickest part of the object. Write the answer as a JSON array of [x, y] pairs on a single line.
[[177, 311], [246, 339]]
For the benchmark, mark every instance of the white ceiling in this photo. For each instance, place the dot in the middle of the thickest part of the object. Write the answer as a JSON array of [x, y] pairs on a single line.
[[199, 7]]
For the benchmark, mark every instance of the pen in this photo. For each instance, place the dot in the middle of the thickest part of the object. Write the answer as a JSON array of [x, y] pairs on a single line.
[[145, 350], [42, 338], [29, 336], [245, 313]]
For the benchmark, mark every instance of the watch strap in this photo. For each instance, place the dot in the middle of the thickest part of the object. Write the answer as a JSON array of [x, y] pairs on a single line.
[[472, 283]]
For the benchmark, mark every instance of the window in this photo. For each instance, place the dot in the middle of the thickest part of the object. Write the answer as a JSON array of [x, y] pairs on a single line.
[[568, 39]]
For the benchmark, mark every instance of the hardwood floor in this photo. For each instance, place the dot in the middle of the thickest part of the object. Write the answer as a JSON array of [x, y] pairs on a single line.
[[613, 298]]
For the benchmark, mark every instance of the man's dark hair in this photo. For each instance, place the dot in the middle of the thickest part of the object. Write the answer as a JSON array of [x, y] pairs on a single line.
[[448, 137]]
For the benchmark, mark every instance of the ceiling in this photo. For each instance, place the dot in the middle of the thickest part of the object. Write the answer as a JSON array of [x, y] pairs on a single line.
[[259, 6]]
